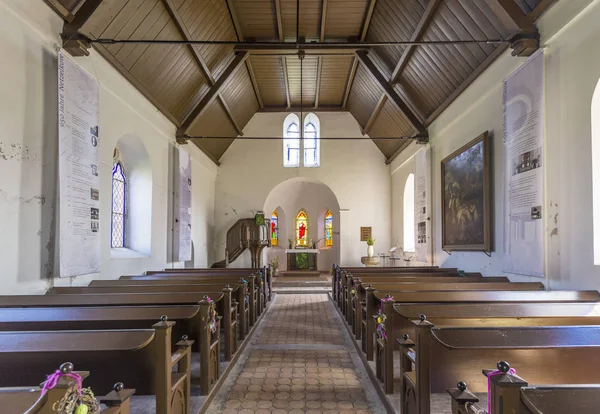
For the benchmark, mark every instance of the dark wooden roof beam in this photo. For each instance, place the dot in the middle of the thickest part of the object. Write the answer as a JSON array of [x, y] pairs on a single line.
[[524, 36], [320, 58], [82, 15], [374, 114], [391, 93], [213, 93], [416, 36], [59, 8], [363, 36]]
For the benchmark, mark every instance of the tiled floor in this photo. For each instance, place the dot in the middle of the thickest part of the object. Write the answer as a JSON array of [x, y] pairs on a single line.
[[300, 360]]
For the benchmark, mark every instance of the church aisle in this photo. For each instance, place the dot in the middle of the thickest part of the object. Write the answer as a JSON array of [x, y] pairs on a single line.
[[300, 360]]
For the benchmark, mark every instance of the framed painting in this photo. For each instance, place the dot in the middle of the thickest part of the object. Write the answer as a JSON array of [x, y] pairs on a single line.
[[466, 203]]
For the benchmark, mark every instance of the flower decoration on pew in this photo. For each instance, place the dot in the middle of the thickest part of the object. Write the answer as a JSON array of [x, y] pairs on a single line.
[[76, 400], [380, 329], [212, 314]]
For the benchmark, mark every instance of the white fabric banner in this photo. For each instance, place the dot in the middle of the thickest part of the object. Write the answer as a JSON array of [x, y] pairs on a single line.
[[524, 168], [79, 183], [183, 208], [422, 206]]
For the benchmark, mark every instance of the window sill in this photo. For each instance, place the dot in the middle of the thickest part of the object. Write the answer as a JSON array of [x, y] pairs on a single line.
[[125, 253]]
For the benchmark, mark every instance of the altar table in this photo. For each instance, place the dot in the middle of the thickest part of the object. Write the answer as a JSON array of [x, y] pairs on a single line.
[[302, 259]]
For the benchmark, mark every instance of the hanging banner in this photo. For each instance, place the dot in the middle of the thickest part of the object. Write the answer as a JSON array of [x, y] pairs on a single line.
[[183, 208], [524, 168], [79, 193], [422, 222]]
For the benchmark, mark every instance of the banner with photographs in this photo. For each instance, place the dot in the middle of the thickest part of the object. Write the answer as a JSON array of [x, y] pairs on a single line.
[[422, 222], [183, 208], [79, 193], [524, 172]]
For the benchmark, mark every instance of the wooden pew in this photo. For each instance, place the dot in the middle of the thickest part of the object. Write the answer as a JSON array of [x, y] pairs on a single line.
[[255, 285], [346, 277], [241, 291], [190, 320], [511, 394], [142, 358], [444, 356], [131, 299], [386, 331], [357, 294], [28, 400]]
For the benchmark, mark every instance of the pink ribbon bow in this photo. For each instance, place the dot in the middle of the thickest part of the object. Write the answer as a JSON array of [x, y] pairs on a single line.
[[493, 374], [53, 380]]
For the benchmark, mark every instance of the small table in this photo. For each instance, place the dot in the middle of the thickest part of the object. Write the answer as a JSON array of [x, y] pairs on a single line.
[[302, 259], [370, 261]]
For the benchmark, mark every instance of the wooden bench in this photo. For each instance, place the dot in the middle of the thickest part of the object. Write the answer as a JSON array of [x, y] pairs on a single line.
[[357, 293], [239, 292], [511, 394], [255, 286], [28, 400], [143, 359], [222, 300], [190, 320], [387, 331], [444, 356]]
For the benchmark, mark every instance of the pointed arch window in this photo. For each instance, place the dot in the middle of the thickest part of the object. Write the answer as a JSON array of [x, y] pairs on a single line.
[[291, 141], [119, 205], [312, 151], [328, 229], [274, 229], [409, 214], [301, 229]]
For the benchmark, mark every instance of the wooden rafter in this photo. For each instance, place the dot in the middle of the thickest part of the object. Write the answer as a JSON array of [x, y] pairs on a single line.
[[540, 9], [416, 36], [511, 16], [363, 36], [283, 59], [320, 58], [195, 49], [82, 15], [213, 92], [61, 10], [240, 36], [375, 114], [390, 92]]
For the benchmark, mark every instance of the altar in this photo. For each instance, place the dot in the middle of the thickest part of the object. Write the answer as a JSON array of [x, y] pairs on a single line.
[[302, 259]]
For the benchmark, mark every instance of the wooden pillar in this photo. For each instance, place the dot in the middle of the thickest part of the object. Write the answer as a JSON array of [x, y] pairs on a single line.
[[206, 309], [162, 373], [370, 298], [185, 365], [505, 396], [227, 323], [242, 295], [388, 372], [423, 364]]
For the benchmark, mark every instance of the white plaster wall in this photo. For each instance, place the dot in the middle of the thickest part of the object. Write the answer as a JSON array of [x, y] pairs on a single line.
[[354, 170], [572, 72], [29, 32]]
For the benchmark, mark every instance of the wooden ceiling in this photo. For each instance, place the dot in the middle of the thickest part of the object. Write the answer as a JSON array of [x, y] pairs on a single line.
[[210, 91]]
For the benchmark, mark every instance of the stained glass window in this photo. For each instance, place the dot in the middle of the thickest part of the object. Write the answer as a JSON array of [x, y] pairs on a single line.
[[328, 228], [274, 229], [291, 146], [311, 146], [117, 229], [301, 229]]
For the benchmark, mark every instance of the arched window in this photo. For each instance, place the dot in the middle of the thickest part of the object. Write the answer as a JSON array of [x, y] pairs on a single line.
[[312, 156], [596, 172], [119, 189], [291, 141], [328, 228], [409, 214], [274, 229], [301, 229]]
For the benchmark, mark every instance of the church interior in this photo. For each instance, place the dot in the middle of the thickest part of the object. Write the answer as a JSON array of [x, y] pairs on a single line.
[[299, 206]]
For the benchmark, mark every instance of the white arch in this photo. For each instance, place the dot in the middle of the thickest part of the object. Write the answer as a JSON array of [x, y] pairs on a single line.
[[409, 214], [596, 171]]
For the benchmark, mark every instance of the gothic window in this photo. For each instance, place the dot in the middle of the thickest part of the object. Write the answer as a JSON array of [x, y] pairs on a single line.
[[328, 228], [301, 229], [274, 229], [311, 141], [119, 188], [409, 214], [291, 141]]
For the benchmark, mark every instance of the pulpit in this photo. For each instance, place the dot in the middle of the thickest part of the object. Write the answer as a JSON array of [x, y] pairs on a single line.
[[302, 259]]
